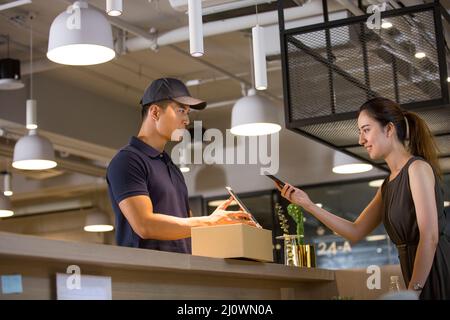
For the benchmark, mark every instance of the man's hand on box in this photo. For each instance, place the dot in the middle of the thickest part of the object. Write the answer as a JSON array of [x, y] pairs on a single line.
[[222, 216]]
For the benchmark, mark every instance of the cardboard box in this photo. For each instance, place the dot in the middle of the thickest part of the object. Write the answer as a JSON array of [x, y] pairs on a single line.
[[233, 241]]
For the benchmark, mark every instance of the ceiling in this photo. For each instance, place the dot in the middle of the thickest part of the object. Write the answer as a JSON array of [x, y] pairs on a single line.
[[124, 78], [222, 70]]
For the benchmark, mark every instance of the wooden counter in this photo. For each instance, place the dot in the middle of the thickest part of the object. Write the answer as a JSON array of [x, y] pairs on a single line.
[[149, 274]]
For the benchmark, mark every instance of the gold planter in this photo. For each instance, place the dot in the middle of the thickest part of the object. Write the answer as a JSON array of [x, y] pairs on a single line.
[[299, 255]]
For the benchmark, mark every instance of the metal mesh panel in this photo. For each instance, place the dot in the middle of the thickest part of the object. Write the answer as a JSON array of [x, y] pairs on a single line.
[[394, 71], [444, 163], [306, 72], [331, 69], [342, 133], [362, 63], [443, 144], [345, 133], [438, 120], [360, 151]]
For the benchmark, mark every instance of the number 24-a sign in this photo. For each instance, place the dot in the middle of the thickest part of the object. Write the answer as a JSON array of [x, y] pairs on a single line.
[[333, 248]]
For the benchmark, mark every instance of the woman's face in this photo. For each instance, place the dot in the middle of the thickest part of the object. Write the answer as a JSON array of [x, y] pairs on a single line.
[[372, 136]]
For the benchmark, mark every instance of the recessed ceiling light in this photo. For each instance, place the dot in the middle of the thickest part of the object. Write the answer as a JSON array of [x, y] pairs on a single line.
[[385, 24], [420, 55]]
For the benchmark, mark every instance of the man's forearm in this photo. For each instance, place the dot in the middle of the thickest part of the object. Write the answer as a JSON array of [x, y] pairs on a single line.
[[164, 227]]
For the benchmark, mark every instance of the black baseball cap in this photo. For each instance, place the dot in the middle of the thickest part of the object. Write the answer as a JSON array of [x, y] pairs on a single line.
[[170, 89]]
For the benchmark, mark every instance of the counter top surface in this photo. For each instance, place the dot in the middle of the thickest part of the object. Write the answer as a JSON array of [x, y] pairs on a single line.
[[32, 247]]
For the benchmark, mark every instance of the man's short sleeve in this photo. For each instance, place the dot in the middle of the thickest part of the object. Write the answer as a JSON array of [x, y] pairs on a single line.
[[126, 176]]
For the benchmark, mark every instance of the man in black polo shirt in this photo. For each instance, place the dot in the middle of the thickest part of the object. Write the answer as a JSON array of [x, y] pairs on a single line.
[[147, 190]]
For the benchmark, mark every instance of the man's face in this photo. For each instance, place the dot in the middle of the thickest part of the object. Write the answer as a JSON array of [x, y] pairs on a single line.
[[174, 116]]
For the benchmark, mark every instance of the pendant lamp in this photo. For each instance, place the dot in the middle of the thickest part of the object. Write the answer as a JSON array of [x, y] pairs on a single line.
[[10, 72], [254, 115], [80, 36], [33, 152], [344, 164], [97, 221]]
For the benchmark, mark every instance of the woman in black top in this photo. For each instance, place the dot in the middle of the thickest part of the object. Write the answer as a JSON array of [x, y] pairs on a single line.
[[409, 203]]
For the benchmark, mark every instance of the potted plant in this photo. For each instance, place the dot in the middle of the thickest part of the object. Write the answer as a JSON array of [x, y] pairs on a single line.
[[296, 252]]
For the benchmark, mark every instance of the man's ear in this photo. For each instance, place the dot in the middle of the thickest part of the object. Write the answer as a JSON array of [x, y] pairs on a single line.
[[154, 112]]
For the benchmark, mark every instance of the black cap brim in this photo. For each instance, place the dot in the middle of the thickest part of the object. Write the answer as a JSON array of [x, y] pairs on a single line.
[[193, 103]]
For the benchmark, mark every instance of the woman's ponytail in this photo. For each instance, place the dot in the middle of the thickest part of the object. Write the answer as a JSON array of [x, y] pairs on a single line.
[[421, 141]]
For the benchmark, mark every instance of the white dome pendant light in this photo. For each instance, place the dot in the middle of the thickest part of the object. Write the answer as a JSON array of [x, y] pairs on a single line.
[[344, 164], [80, 36], [195, 28], [254, 115], [97, 221], [33, 152]]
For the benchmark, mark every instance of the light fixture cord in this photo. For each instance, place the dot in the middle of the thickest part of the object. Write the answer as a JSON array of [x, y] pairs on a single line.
[[7, 45], [256, 5], [31, 58]]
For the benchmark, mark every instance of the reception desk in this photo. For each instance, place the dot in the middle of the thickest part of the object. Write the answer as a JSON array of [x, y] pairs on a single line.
[[148, 274]]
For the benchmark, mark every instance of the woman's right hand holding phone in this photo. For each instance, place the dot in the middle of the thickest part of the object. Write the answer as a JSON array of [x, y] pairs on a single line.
[[295, 195]]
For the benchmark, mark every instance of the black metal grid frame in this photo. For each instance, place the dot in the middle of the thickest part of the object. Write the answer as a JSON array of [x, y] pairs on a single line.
[[294, 125]]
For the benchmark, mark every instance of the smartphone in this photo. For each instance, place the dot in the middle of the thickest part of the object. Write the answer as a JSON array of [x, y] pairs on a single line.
[[278, 181], [242, 205]]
